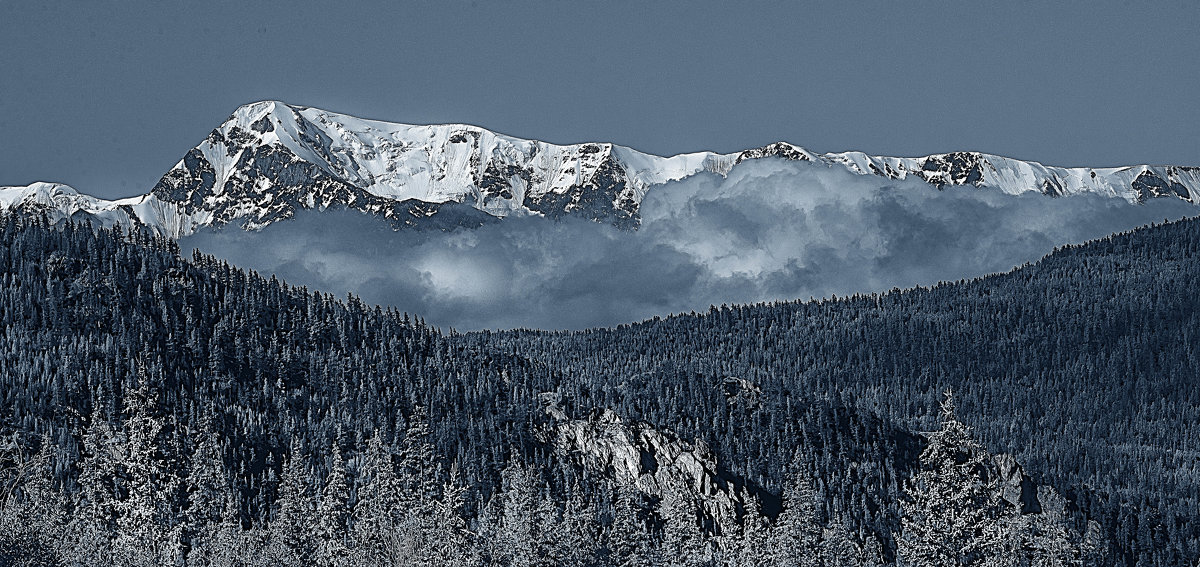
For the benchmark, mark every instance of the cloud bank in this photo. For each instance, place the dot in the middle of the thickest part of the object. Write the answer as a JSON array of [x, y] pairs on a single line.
[[770, 230]]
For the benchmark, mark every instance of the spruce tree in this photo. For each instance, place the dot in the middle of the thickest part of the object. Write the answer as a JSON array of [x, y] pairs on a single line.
[[208, 491], [333, 514], [683, 541], [378, 505], [146, 534], [952, 510], [795, 538], [629, 542], [292, 531]]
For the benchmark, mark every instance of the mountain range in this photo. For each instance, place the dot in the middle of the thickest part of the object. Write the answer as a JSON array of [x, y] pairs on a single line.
[[270, 159]]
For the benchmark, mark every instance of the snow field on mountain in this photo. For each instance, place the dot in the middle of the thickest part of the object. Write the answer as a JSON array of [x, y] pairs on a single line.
[[270, 160]]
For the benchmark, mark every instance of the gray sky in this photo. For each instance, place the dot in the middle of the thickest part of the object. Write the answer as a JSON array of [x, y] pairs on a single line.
[[108, 95]]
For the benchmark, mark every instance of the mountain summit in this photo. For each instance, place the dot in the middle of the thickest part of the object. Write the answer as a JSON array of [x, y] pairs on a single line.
[[270, 159]]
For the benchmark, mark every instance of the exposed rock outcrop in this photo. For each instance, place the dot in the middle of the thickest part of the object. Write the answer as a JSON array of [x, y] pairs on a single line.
[[651, 460]]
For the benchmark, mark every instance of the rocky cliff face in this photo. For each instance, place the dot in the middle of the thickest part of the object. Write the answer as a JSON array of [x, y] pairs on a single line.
[[1016, 488], [653, 461]]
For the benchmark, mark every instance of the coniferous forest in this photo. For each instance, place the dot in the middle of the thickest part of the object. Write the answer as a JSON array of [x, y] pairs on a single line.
[[162, 410]]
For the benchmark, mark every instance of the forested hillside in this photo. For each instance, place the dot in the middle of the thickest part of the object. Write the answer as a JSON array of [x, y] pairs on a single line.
[[162, 410], [1085, 365]]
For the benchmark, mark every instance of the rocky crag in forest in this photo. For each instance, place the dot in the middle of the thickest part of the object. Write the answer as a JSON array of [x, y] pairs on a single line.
[[165, 411]]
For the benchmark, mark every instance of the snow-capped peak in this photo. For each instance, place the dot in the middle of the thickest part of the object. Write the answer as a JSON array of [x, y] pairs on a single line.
[[269, 159], [56, 199]]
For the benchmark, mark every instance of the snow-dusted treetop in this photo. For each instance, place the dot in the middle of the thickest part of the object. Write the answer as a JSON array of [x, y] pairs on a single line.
[[270, 159]]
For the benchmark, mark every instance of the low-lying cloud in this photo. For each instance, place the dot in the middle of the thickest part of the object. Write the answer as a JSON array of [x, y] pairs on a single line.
[[770, 230]]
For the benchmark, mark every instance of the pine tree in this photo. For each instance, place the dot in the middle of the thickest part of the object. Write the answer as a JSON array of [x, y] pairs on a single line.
[[208, 491], [841, 547], [629, 543], [292, 533], [574, 538], [145, 531], [93, 526], [795, 538], [45, 506], [452, 542], [519, 537], [378, 506], [425, 526], [33, 513], [950, 518], [1094, 547], [1040, 539], [748, 547], [226, 545], [683, 541], [418, 476], [333, 514]]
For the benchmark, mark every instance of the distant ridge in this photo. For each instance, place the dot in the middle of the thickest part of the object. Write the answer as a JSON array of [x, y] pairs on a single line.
[[270, 159]]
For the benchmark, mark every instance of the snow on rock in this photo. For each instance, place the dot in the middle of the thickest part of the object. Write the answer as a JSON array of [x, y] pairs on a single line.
[[59, 201], [310, 158], [270, 159]]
